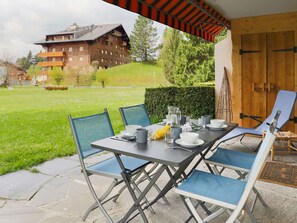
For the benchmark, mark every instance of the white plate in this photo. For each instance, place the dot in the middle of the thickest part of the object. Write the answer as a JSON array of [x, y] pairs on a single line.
[[216, 128], [187, 145]]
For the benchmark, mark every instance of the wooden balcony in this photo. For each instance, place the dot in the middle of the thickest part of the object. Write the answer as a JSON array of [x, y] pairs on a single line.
[[51, 54], [51, 64]]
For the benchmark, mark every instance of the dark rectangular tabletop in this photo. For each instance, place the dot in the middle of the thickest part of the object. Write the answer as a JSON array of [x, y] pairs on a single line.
[[159, 151]]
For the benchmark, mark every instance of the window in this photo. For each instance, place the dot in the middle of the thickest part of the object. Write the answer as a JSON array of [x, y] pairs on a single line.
[[102, 60], [70, 59], [81, 48], [63, 49], [105, 51], [54, 50], [116, 46], [102, 51], [110, 53], [70, 49], [81, 59]]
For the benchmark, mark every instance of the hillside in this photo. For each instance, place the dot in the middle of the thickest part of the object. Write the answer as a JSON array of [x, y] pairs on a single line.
[[135, 75]]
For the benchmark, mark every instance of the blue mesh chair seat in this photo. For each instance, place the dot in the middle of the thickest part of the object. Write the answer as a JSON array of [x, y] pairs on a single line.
[[110, 167], [232, 159], [86, 130]]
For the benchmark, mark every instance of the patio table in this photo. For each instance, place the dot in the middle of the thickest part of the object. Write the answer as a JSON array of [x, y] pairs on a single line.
[[158, 151]]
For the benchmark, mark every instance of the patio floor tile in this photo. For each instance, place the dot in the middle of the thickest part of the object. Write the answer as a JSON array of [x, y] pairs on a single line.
[[57, 166], [54, 190], [21, 185]]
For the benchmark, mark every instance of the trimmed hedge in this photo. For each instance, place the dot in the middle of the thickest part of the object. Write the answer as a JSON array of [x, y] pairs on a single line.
[[193, 101]]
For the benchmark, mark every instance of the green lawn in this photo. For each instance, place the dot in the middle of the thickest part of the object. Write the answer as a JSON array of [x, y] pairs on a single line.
[[136, 74], [34, 126]]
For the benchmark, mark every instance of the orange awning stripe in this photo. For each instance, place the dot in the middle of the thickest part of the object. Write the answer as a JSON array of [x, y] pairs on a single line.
[[191, 16]]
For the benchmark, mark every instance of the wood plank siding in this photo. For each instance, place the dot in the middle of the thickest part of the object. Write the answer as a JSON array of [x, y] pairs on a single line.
[[275, 69]]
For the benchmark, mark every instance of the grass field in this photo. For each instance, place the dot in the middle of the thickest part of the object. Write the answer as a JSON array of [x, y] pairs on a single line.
[[34, 126], [136, 74]]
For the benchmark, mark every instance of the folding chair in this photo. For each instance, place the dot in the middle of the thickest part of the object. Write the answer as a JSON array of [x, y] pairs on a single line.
[[138, 115], [285, 102], [135, 115], [95, 127], [240, 162], [227, 193]]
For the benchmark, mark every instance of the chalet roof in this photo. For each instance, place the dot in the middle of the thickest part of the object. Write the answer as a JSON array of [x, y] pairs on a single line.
[[82, 33]]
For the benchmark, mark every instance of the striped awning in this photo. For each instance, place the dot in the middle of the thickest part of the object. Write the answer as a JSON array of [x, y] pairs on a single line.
[[191, 16]]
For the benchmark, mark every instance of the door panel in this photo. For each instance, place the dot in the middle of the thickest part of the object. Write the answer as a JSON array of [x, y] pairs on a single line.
[[280, 67], [253, 68]]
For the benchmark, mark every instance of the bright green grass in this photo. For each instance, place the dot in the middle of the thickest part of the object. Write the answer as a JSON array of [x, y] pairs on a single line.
[[34, 125], [136, 74]]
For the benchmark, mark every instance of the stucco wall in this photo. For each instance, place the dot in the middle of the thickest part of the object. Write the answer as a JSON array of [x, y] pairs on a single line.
[[223, 58]]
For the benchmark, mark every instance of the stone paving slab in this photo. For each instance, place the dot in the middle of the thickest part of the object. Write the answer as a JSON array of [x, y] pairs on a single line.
[[21, 185], [57, 166], [54, 190], [21, 215]]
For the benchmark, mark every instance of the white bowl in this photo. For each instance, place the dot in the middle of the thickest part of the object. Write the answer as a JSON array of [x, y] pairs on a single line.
[[189, 137], [217, 123], [131, 129]]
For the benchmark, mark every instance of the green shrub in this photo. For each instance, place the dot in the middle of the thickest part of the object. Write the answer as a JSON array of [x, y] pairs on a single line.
[[193, 101]]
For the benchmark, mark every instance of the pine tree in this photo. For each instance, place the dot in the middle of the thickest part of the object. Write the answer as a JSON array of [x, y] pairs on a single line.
[[171, 41], [143, 40], [195, 61]]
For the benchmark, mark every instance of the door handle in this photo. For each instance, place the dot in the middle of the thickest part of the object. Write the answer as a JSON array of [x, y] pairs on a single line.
[[258, 87], [271, 87]]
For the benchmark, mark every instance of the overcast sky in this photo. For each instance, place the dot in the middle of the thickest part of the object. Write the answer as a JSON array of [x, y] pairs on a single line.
[[23, 22]]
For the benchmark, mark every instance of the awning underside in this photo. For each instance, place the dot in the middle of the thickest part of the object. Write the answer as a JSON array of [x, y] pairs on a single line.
[[191, 16]]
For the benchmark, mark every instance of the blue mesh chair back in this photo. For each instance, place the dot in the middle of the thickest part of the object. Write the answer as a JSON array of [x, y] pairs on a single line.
[[89, 129], [135, 115], [284, 102]]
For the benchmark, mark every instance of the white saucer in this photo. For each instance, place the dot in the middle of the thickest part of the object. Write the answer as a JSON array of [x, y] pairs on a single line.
[[127, 135], [216, 128], [187, 145]]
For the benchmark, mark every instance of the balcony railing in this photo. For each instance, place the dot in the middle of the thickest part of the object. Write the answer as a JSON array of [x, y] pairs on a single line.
[[51, 64], [51, 54]]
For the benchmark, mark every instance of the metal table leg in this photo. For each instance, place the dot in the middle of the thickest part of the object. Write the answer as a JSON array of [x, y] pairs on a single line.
[[137, 200]]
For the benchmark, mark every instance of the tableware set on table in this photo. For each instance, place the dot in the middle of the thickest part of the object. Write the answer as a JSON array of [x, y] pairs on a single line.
[[135, 132], [181, 129], [177, 130]]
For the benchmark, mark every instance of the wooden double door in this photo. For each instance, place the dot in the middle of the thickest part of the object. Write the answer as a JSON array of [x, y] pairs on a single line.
[[267, 66]]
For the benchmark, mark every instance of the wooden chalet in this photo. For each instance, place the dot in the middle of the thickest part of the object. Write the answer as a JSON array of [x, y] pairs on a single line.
[[78, 46]]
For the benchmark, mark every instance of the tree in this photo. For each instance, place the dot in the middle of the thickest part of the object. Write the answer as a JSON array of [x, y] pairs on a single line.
[[171, 41], [34, 70], [57, 74], [143, 40], [25, 62]]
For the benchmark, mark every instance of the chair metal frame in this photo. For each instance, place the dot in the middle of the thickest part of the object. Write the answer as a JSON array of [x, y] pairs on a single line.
[[108, 167], [228, 193]]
